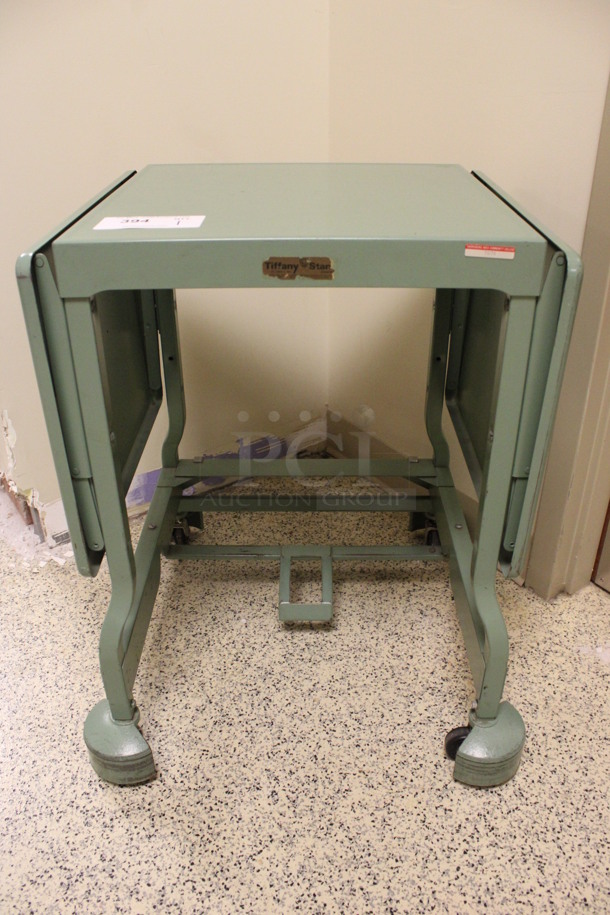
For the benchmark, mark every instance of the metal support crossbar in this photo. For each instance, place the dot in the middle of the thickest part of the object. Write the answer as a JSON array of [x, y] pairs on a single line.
[[411, 552], [224, 501], [409, 468]]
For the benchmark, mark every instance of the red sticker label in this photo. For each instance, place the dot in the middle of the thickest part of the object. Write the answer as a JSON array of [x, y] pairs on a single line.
[[503, 252]]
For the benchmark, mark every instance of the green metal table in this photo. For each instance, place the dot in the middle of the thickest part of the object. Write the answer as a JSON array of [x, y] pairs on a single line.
[[98, 297]]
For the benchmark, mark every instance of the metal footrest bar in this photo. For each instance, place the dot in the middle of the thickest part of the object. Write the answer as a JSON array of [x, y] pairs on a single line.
[[305, 612], [321, 612]]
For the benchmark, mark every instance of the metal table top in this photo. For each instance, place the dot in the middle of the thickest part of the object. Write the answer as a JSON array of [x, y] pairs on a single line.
[[350, 224]]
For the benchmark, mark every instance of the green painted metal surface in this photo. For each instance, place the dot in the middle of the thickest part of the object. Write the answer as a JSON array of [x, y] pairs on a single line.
[[37, 288], [98, 299], [380, 225], [307, 612], [328, 502], [470, 402]]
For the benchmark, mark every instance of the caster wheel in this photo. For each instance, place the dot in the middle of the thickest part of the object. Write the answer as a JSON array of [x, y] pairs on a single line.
[[417, 521], [432, 537], [181, 533], [454, 740]]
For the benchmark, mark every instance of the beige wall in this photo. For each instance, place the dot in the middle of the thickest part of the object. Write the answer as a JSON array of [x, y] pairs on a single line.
[[88, 90], [515, 90]]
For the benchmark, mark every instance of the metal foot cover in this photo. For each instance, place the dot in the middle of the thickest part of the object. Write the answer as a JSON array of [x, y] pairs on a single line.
[[118, 751], [491, 753]]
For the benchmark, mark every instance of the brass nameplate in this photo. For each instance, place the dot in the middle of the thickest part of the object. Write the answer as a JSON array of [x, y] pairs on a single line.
[[288, 268]]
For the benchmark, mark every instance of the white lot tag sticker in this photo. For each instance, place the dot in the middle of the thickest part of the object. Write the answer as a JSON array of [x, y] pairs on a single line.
[[149, 222], [499, 251]]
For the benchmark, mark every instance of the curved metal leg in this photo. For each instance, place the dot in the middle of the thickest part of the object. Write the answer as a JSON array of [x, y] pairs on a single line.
[[491, 752], [119, 752]]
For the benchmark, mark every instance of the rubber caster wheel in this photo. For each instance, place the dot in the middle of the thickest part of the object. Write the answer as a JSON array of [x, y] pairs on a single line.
[[181, 534], [454, 740], [432, 537], [417, 521]]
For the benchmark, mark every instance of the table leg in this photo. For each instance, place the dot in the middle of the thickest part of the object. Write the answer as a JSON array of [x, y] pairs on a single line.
[[119, 753], [491, 753]]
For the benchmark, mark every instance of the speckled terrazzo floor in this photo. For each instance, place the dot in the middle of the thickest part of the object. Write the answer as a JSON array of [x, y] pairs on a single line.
[[300, 768]]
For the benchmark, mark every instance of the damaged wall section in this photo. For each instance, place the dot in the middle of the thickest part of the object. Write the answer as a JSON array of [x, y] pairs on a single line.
[[48, 521]]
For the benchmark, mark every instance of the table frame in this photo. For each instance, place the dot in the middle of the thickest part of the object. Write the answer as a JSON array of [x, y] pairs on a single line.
[[96, 451]]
